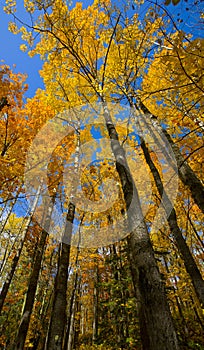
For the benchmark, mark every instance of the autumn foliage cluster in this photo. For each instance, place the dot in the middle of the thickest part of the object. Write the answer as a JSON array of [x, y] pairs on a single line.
[[102, 194]]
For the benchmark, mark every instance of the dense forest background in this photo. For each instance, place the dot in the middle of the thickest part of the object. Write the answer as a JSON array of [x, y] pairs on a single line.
[[102, 195]]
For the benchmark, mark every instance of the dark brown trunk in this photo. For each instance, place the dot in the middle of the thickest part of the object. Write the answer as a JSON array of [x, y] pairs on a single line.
[[4, 259], [95, 306], [9, 278], [155, 309], [58, 316], [30, 297], [200, 320], [59, 308], [16, 258], [71, 325], [120, 316], [184, 328], [3, 103], [183, 248], [186, 174], [70, 312], [195, 231], [78, 318]]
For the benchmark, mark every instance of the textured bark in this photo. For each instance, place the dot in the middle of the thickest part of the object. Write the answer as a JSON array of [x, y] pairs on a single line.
[[71, 313], [186, 174], [77, 320], [185, 328], [155, 309], [30, 297], [58, 316], [4, 258], [120, 317], [71, 325], [95, 306], [3, 103], [183, 248], [9, 278], [5, 220], [142, 320], [16, 258]]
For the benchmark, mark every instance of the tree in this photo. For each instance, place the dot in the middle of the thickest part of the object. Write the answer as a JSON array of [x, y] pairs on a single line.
[[104, 54], [142, 256], [32, 286]]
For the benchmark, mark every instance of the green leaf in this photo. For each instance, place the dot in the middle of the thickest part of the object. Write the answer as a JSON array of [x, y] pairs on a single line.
[[175, 2]]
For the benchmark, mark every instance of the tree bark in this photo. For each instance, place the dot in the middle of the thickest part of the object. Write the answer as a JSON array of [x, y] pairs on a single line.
[[95, 307], [183, 248], [70, 314], [155, 309], [9, 278], [186, 174], [30, 297], [58, 316], [16, 258], [77, 319]]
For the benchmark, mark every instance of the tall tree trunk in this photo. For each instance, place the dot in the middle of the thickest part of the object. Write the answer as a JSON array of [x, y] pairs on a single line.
[[7, 283], [124, 293], [195, 231], [16, 258], [95, 306], [43, 312], [3, 103], [159, 324], [4, 222], [71, 322], [58, 316], [30, 297], [71, 311], [183, 248], [77, 319], [186, 174], [120, 318], [184, 328], [200, 319]]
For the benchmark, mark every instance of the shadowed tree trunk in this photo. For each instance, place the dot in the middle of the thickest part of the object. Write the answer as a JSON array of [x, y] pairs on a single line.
[[183, 248], [3, 103], [71, 308], [68, 335], [16, 258], [186, 174], [95, 306], [58, 316], [30, 296], [153, 302], [74, 341]]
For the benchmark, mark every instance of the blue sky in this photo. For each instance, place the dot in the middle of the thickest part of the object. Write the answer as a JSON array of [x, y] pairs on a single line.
[[11, 54]]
